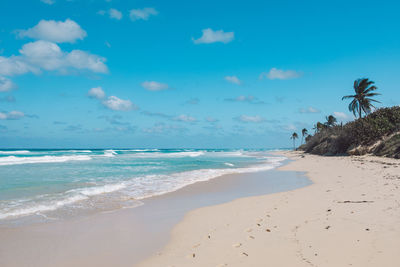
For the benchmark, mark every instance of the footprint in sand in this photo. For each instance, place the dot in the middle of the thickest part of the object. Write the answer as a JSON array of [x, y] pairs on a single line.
[[237, 245], [249, 230]]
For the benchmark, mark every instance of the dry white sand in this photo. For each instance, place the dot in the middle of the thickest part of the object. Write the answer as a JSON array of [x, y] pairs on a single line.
[[350, 216]]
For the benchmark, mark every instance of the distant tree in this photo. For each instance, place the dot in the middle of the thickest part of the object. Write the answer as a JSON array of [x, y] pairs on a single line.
[[362, 101], [304, 132], [330, 121], [318, 127], [294, 137]]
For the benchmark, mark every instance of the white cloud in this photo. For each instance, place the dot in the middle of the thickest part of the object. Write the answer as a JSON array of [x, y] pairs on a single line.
[[246, 99], [209, 36], [55, 31], [118, 104], [115, 14], [49, 2], [12, 115], [43, 55], [233, 79], [246, 118], [6, 84], [142, 14], [185, 118], [14, 65], [290, 127], [309, 110], [96, 92], [211, 119], [82, 60], [341, 116], [277, 74], [154, 86]]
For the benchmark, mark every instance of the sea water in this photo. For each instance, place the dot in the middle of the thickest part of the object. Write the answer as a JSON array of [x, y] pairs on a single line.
[[54, 184]]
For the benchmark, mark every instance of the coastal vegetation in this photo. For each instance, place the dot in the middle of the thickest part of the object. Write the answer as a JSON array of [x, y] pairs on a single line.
[[375, 131]]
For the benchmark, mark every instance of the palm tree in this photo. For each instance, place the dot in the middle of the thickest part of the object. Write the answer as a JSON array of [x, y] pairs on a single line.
[[362, 99], [304, 132], [330, 121], [294, 137], [318, 127]]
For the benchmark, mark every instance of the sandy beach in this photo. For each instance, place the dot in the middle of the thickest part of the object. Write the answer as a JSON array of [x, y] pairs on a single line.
[[349, 216], [127, 236]]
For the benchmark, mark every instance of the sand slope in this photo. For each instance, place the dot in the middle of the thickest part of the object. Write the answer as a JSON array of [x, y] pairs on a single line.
[[350, 216]]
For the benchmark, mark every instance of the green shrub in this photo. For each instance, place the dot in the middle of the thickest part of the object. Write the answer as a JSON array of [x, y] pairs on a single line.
[[365, 131]]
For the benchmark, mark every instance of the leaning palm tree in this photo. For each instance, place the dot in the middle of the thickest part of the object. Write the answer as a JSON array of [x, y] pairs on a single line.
[[330, 121], [318, 127], [362, 101], [304, 132], [294, 137]]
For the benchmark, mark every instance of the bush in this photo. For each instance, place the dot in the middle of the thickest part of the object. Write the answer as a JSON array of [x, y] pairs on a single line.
[[361, 132]]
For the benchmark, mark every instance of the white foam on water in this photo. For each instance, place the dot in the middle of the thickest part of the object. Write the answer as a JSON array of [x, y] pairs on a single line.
[[191, 154], [229, 164], [109, 153], [12, 160], [15, 152], [136, 188]]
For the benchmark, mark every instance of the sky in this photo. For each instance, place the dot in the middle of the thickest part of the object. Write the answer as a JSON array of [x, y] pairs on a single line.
[[187, 74]]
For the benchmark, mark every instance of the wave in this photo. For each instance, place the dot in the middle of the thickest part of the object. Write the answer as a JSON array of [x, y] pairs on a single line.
[[229, 164], [15, 152], [12, 160], [136, 188], [191, 154], [109, 153]]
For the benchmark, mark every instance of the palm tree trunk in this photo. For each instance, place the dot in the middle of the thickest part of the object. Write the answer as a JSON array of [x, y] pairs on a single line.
[[294, 144], [359, 111], [302, 140]]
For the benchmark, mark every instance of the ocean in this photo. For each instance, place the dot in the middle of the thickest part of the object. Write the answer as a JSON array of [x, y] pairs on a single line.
[[42, 185]]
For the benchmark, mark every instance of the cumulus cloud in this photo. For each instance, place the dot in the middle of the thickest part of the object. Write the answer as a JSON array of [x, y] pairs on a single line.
[[251, 119], [12, 115], [209, 36], [49, 2], [185, 118], [246, 99], [115, 14], [6, 84], [277, 74], [118, 104], [142, 14], [154, 86], [341, 116], [96, 92], [309, 110], [43, 55], [67, 31], [233, 79]]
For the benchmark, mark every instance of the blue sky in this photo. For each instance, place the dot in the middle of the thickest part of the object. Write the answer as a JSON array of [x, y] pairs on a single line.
[[187, 73]]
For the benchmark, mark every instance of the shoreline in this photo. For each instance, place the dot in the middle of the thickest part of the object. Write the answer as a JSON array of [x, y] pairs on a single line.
[[347, 217], [132, 234]]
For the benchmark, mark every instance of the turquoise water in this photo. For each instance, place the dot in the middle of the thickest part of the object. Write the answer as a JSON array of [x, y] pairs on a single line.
[[51, 184]]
